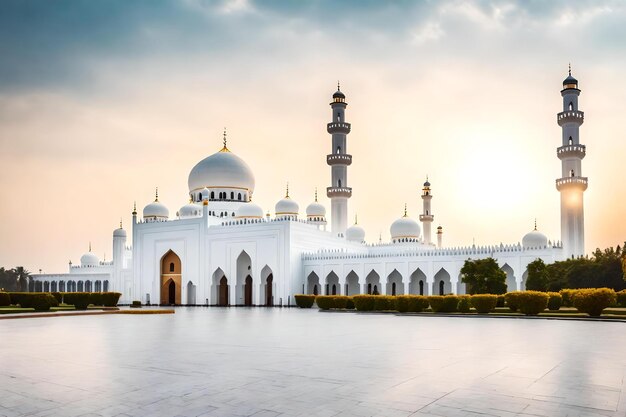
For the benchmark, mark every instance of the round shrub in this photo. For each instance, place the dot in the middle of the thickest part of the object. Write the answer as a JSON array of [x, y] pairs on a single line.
[[464, 303], [621, 298], [384, 303], [566, 295], [501, 300], [555, 301], [96, 298], [110, 299], [411, 303], [443, 303], [324, 302], [80, 300], [593, 300], [137, 304], [5, 299], [340, 301], [532, 303], [302, 300], [484, 303], [364, 302], [512, 300]]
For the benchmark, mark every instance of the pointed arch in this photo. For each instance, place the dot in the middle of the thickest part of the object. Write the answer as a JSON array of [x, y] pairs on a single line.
[[219, 288], [332, 284], [352, 284], [243, 286], [417, 284], [191, 293], [442, 284], [372, 283], [171, 278], [394, 283], [267, 286], [313, 283], [511, 284]]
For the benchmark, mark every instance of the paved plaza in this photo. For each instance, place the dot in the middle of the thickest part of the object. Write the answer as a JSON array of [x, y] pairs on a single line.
[[291, 362]]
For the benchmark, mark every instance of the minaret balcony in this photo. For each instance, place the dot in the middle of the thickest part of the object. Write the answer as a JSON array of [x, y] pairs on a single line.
[[427, 217], [570, 116], [339, 159], [338, 127], [571, 151], [339, 192], [571, 182]]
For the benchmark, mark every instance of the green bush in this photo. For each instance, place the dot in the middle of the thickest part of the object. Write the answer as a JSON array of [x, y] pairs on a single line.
[[621, 298], [137, 303], [593, 300], [411, 303], [464, 303], [57, 296], [341, 301], [484, 303], [501, 300], [40, 301], [566, 295], [302, 300], [80, 300], [350, 304], [324, 302], [512, 300], [96, 298], [443, 303], [384, 303], [532, 303], [555, 301], [364, 302], [5, 299], [110, 299]]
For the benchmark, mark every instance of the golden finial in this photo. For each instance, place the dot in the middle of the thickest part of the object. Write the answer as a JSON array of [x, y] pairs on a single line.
[[224, 149], [134, 213], [121, 223], [569, 68], [287, 193], [156, 195], [355, 219], [316, 194], [338, 86], [535, 223], [89, 246], [405, 215], [380, 237]]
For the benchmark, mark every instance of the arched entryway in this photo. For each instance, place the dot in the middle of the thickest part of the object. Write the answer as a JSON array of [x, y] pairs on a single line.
[[352, 284], [416, 285], [442, 284], [171, 277], [511, 282], [191, 293], [394, 283], [243, 291], [332, 284], [372, 283], [223, 292], [313, 284], [247, 291], [267, 287]]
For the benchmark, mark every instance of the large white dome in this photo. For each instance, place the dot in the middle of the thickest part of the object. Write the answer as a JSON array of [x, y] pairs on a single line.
[[355, 233], [534, 239], [156, 211], [223, 169], [286, 207], [405, 228], [89, 259], [249, 211]]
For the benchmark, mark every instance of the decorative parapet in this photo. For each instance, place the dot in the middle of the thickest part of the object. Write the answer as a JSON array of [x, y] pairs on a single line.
[[570, 116], [338, 127], [339, 159], [569, 151], [567, 182]]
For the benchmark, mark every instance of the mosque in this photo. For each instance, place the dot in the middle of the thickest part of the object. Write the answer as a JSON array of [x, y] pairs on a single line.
[[220, 249]]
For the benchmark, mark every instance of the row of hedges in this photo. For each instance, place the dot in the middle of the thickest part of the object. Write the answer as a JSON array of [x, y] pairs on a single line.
[[590, 301], [42, 301]]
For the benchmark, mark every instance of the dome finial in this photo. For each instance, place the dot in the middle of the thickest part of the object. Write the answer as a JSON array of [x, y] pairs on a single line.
[[355, 219], [316, 194], [569, 68], [535, 223], [338, 86], [156, 195], [89, 246], [225, 148], [287, 192], [405, 215], [121, 223], [134, 213]]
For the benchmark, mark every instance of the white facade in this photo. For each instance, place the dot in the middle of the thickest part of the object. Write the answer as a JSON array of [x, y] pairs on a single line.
[[221, 250]]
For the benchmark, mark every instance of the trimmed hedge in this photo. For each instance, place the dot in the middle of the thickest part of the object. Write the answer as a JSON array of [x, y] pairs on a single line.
[[532, 303], [464, 303], [484, 303], [58, 296], [40, 301], [110, 299], [385, 303], [302, 300], [324, 302], [566, 295], [350, 304], [80, 300], [511, 299], [621, 298], [501, 300], [555, 301], [341, 301], [443, 303], [593, 300], [364, 302], [5, 299], [137, 304], [411, 303]]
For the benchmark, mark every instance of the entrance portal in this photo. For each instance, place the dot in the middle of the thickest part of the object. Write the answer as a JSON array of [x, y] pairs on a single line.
[[269, 297], [247, 290], [171, 298], [223, 292], [171, 287]]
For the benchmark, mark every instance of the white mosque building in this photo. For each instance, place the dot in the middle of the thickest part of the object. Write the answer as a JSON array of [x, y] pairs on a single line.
[[220, 248]]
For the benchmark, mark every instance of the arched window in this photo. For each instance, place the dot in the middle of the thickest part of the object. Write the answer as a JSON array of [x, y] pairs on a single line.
[[369, 288], [239, 196], [212, 195], [232, 195], [427, 212], [441, 287], [571, 105], [338, 149], [339, 183], [199, 196], [571, 141], [338, 117], [171, 266], [315, 291], [393, 288], [421, 287], [571, 173]]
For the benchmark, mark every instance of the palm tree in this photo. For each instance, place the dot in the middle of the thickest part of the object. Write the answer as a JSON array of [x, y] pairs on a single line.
[[23, 275]]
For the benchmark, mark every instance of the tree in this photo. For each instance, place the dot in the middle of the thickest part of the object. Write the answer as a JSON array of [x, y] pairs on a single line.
[[22, 276], [483, 276], [537, 279]]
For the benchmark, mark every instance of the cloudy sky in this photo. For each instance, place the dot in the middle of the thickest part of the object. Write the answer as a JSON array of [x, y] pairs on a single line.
[[101, 102]]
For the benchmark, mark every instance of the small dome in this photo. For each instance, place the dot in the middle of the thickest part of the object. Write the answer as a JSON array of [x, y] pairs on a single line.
[[89, 259], [189, 210], [119, 232], [249, 211], [156, 211], [570, 80], [355, 233], [405, 228], [534, 239], [286, 207], [339, 94], [427, 184], [315, 209]]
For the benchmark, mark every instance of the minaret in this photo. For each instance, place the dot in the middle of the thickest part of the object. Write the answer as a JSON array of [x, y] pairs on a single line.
[[426, 217], [572, 184], [439, 236], [339, 160]]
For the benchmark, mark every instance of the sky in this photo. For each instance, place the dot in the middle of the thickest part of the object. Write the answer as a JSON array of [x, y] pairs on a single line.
[[101, 102]]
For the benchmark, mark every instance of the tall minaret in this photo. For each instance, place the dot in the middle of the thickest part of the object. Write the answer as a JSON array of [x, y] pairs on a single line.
[[571, 184], [339, 160], [427, 216]]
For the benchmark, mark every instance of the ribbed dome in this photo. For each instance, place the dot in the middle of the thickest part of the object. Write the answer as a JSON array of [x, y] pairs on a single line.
[[534, 239], [190, 210], [286, 207], [249, 211], [355, 233], [156, 211], [222, 169], [89, 259], [405, 228]]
